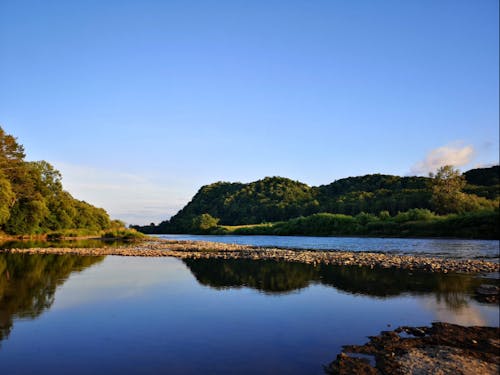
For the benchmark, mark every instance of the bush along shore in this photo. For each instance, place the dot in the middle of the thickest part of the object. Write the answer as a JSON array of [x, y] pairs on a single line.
[[205, 250], [416, 222]]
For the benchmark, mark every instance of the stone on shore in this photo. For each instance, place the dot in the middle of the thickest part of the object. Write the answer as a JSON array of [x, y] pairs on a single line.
[[441, 349], [199, 249]]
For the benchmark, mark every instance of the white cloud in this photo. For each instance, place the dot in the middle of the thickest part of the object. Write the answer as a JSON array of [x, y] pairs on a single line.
[[455, 154], [133, 198]]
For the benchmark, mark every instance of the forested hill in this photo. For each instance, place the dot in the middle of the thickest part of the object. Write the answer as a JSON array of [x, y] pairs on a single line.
[[32, 199], [279, 199]]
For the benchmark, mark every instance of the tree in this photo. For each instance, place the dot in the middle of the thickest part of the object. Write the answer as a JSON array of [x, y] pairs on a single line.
[[204, 222], [32, 199], [47, 178], [26, 215], [10, 150], [447, 195], [6, 198]]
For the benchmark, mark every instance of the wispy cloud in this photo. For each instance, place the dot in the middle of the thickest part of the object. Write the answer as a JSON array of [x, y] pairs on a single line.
[[133, 198], [456, 154]]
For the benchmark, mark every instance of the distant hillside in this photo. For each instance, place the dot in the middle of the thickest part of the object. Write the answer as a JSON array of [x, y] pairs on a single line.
[[269, 199], [275, 199], [484, 182], [483, 176], [374, 193]]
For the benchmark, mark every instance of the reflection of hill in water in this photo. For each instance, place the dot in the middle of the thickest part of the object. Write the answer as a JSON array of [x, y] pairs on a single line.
[[279, 277], [267, 276], [28, 283]]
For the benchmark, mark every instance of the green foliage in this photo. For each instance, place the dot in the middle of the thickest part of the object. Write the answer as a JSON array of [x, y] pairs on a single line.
[[384, 215], [270, 199], [123, 233], [447, 195], [483, 176], [203, 223], [6, 198], [447, 185], [373, 193], [369, 198], [32, 199], [412, 223], [415, 214], [116, 224], [363, 218], [487, 192]]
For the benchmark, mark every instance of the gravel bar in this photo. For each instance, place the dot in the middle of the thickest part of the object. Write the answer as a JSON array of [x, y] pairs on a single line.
[[204, 250]]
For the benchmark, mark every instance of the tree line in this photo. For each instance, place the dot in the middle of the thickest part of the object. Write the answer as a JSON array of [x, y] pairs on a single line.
[[32, 199], [373, 204]]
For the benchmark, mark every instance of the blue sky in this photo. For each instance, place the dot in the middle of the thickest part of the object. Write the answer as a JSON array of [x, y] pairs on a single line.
[[139, 103]]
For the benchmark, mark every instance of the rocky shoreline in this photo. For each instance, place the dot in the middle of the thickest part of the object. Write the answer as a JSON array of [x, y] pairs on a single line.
[[204, 250], [442, 348]]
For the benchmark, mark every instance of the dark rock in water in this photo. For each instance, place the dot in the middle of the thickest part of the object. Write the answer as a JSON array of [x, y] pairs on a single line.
[[487, 293], [345, 364], [487, 289]]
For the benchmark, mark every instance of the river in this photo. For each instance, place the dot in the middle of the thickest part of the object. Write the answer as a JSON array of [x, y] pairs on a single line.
[[68, 314], [449, 248]]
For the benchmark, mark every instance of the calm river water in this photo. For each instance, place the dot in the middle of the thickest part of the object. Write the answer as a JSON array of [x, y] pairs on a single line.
[[129, 315], [450, 248]]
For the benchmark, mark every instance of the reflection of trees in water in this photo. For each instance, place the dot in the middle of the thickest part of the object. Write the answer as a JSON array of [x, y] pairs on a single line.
[[85, 243], [452, 289], [279, 277], [28, 283], [267, 276]]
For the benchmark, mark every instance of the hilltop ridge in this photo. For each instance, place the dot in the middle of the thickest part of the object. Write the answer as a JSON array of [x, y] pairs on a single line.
[[276, 199]]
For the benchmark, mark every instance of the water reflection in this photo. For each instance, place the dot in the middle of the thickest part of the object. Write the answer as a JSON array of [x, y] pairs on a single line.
[[266, 276], [277, 277], [28, 283], [138, 315], [82, 243]]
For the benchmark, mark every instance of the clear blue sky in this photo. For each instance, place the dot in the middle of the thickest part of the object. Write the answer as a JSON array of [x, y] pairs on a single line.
[[139, 103]]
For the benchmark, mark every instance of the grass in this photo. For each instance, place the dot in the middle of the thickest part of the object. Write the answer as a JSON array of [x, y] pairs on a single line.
[[123, 233]]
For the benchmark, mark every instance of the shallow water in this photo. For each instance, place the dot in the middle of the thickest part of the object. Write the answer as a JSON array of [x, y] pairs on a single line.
[[131, 315], [449, 248]]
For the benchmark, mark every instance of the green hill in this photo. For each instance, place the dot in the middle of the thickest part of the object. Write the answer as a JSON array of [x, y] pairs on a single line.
[[270, 199], [278, 199]]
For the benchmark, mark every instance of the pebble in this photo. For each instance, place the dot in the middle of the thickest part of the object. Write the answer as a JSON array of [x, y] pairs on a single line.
[[201, 249]]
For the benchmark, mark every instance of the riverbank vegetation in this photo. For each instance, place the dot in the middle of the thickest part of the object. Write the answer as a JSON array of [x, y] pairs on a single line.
[[123, 233], [445, 204], [33, 202], [412, 223]]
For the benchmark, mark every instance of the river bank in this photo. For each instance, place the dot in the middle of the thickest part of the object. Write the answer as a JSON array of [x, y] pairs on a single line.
[[213, 250], [442, 348]]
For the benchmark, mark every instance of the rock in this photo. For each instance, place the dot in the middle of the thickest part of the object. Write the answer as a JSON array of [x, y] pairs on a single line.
[[444, 349], [487, 290], [193, 249]]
